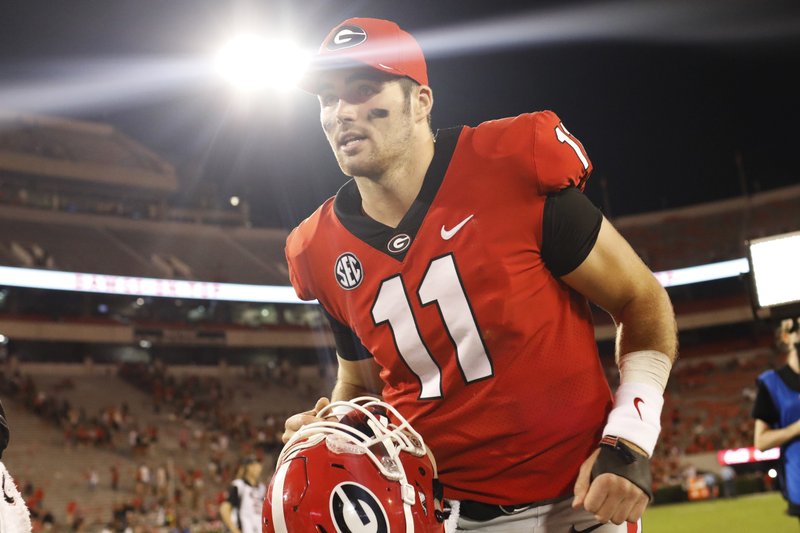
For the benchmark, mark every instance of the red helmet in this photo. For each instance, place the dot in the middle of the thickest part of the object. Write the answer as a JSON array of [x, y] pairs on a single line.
[[361, 474]]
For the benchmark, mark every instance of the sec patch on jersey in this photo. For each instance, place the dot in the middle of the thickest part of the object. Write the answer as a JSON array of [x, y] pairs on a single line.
[[348, 271]]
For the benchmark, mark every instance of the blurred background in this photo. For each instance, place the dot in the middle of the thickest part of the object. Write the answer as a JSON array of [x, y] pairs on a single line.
[[154, 155]]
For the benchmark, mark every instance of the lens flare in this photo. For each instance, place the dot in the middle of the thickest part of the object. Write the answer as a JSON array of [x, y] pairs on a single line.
[[251, 63]]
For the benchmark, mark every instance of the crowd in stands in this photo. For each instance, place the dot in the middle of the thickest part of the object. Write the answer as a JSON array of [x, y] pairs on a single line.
[[199, 399], [77, 425], [149, 509], [204, 400], [707, 408], [158, 495], [210, 209]]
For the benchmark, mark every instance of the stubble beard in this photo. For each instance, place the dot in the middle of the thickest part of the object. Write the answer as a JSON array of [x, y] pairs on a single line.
[[365, 167], [378, 161]]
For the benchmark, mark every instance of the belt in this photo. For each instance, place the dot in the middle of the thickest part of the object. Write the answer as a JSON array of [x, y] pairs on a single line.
[[481, 512]]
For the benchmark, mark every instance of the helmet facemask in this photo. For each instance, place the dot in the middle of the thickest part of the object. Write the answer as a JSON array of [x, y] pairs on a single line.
[[337, 448]]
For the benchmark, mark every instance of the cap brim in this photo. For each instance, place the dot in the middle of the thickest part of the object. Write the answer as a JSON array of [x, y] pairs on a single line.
[[310, 81]]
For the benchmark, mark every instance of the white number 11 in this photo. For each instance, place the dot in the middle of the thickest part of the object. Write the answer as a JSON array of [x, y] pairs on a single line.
[[441, 285]]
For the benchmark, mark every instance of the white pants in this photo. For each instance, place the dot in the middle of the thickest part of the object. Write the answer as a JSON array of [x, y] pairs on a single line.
[[557, 517]]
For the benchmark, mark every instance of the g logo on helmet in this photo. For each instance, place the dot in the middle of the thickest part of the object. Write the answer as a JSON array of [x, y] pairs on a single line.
[[355, 509], [347, 36]]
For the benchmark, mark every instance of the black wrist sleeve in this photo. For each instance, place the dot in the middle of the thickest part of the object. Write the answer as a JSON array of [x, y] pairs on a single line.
[[617, 458], [4, 431]]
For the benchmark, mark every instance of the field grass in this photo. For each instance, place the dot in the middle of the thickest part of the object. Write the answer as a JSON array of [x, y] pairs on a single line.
[[756, 513]]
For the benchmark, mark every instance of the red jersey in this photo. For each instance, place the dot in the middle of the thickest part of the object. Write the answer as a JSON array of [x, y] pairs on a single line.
[[489, 356]]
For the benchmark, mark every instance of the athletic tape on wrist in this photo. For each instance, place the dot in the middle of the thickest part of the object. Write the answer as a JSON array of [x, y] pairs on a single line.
[[636, 416], [645, 366]]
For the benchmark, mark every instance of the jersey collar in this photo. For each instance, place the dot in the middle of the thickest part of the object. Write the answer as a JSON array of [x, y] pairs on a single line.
[[347, 204]]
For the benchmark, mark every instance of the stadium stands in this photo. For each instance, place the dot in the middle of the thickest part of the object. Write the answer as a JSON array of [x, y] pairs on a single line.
[[71, 150], [195, 423], [116, 246], [708, 233]]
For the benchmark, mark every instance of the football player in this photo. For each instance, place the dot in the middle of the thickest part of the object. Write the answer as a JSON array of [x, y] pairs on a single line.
[[456, 269], [241, 509]]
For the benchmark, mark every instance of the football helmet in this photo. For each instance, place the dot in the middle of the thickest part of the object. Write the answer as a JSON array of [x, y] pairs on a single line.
[[367, 472]]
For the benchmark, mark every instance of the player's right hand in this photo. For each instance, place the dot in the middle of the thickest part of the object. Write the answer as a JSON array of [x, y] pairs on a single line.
[[609, 495], [295, 422]]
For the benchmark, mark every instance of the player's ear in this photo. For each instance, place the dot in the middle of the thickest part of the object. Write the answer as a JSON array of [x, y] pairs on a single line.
[[424, 100]]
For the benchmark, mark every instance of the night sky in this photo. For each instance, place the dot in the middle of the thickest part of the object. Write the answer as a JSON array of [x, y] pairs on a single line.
[[663, 95]]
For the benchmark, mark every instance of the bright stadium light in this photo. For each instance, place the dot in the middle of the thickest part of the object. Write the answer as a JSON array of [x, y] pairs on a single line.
[[252, 63], [774, 279]]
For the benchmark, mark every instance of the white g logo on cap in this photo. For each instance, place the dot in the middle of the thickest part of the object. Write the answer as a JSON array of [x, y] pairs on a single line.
[[347, 36]]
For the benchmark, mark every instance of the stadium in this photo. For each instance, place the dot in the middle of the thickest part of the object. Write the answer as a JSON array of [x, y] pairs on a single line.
[[150, 337]]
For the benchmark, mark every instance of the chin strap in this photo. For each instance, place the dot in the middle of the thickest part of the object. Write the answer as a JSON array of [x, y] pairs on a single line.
[[442, 509]]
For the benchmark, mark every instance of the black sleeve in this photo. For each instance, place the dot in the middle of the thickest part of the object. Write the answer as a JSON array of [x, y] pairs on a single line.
[[233, 497], [570, 227], [348, 345], [4, 431], [764, 408]]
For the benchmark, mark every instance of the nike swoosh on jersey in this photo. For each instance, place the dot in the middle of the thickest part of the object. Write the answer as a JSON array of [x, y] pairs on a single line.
[[448, 234]]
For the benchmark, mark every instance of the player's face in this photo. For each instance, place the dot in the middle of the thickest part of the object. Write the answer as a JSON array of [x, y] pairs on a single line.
[[366, 117], [253, 470]]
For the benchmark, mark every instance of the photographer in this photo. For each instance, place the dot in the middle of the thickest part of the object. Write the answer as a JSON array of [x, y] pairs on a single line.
[[777, 412]]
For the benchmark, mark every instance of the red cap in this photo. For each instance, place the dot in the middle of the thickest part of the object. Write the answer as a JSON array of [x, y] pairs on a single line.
[[376, 43]]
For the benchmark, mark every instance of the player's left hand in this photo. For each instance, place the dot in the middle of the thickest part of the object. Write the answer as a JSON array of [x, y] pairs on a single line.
[[609, 497], [295, 422]]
